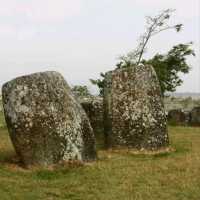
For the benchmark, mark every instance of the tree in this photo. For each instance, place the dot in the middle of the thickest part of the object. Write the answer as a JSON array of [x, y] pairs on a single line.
[[167, 66], [81, 91], [154, 25], [99, 83]]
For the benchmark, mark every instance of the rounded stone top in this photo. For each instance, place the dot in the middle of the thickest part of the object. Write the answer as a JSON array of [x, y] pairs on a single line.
[[33, 76]]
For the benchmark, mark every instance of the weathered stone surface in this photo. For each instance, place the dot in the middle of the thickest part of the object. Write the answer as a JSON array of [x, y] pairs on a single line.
[[93, 107], [134, 113], [177, 117], [46, 124], [195, 116]]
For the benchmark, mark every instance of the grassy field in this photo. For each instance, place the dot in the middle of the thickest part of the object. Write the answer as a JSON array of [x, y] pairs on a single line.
[[115, 176]]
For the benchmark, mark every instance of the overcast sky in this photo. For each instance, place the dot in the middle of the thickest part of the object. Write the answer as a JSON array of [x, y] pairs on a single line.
[[81, 38]]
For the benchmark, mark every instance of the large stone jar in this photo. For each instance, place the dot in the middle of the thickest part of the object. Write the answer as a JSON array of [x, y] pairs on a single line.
[[46, 124], [134, 115]]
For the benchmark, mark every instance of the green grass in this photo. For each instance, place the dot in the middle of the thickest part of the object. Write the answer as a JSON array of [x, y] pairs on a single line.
[[115, 176], [2, 119]]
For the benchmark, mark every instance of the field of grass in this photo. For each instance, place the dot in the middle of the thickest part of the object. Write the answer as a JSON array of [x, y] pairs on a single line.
[[115, 176]]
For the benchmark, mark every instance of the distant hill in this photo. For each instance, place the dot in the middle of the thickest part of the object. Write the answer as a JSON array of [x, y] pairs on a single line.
[[185, 95]]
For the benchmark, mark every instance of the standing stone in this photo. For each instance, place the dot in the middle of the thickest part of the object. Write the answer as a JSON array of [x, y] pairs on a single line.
[[195, 116], [45, 122], [177, 117], [134, 113]]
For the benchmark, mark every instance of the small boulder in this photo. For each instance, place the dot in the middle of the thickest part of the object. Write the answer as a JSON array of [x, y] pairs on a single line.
[[46, 124], [93, 107]]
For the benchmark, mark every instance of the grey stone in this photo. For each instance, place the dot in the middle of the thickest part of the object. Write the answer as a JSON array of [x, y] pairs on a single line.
[[134, 114], [177, 117], [195, 116], [93, 107], [46, 123]]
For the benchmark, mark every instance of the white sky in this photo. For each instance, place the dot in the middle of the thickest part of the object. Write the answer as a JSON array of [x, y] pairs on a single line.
[[81, 38]]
